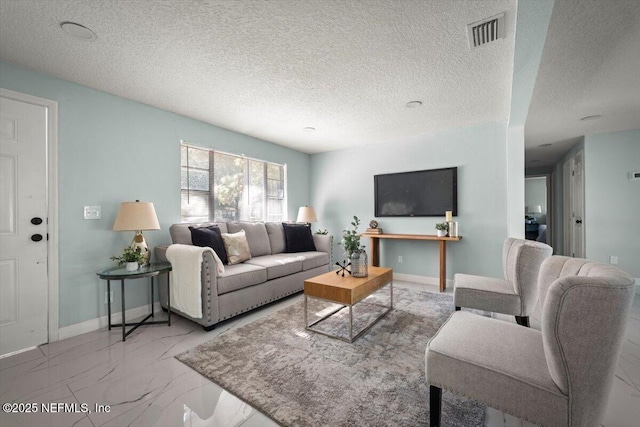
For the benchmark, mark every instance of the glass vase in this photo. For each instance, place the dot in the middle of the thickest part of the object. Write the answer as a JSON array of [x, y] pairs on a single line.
[[359, 263]]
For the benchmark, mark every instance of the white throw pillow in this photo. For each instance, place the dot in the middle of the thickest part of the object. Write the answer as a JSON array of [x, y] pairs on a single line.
[[237, 247]]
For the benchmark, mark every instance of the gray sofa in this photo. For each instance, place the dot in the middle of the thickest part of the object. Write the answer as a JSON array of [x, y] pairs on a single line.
[[269, 275]]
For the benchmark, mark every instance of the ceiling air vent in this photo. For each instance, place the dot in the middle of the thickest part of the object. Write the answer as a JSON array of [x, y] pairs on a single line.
[[486, 31]]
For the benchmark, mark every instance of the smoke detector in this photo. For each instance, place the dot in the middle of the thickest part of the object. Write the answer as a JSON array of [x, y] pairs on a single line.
[[486, 31]]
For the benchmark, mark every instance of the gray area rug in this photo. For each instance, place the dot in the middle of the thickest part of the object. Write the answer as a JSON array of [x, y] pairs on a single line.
[[300, 378]]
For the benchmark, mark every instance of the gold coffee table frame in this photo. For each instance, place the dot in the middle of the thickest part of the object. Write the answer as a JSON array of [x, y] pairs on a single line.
[[347, 291]]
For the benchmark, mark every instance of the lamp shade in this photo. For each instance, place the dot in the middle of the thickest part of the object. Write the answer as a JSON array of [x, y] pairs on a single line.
[[306, 214], [534, 209], [136, 216]]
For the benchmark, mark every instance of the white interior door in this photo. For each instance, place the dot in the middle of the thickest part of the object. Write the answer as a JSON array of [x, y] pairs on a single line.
[[577, 202], [23, 225]]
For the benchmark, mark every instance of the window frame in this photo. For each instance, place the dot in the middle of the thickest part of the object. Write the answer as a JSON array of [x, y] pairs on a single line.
[[246, 196]]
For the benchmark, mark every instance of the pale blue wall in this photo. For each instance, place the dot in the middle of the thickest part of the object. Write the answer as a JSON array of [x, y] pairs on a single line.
[[110, 150], [342, 186], [612, 201], [515, 181]]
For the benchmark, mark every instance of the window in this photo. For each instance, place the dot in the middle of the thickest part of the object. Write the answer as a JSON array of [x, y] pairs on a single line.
[[217, 186]]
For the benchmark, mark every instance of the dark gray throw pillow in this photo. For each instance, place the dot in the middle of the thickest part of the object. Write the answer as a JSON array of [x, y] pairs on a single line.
[[298, 238], [210, 236]]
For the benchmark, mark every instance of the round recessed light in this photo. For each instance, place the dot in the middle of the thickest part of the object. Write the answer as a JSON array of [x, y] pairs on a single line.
[[589, 118], [78, 31], [544, 145], [309, 129], [414, 104]]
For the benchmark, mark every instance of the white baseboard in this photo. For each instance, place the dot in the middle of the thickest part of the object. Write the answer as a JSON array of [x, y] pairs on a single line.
[[102, 322], [423, 280], [13, 353]]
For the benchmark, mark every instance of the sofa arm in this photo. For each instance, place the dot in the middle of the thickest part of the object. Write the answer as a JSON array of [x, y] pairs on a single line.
[[210, 304], [209, 292], [323, 242], [161, 253]]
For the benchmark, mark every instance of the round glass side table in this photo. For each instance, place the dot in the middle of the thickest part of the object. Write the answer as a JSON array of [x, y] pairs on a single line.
[[121, 274]]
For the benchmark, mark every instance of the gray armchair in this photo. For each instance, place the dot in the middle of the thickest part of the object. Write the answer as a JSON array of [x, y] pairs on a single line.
[[559, 376], [517, 293]]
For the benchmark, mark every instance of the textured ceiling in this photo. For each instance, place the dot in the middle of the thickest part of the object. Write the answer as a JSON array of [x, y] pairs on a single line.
[[270, 68], [590, 65]]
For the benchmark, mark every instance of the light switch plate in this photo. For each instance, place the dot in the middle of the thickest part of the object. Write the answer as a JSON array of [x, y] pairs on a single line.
[[92, 212]]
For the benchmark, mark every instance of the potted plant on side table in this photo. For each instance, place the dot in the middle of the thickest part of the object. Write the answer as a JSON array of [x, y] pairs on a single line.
[[131, 257]]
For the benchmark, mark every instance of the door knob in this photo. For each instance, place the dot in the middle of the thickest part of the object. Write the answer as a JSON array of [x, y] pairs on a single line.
[[578, 221], [36, 237], [36, 221]]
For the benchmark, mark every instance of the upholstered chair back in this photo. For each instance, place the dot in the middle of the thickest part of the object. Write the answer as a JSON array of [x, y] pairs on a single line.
[[180, 233], [584, 315], [521, 261]]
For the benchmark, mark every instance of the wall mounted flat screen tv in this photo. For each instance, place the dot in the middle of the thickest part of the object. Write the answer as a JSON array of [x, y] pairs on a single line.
[[419, 193]]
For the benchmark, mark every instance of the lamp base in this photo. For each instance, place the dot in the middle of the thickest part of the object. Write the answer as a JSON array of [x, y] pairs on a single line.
[[139, 242]]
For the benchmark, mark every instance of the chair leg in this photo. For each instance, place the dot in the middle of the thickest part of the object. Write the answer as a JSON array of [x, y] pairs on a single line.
[[457, 308], [435, 405], [209, 328], [522, 320]]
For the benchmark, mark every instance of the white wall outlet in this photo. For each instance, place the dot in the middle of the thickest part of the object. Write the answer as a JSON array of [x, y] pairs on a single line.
[[613, 259], [92, 212], [108, 295], [399, 258]]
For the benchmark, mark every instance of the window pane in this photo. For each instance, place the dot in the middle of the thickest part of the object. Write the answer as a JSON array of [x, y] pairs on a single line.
[[275, 210], [274, 171], [198, 158], [256, 173], [275, 188], [228, 186], [256, 190], [198, 179], [183, 155], [183, 178], [196, 208]]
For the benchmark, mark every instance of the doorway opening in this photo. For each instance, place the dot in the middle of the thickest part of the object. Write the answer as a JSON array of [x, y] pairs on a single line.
[[538, 195]]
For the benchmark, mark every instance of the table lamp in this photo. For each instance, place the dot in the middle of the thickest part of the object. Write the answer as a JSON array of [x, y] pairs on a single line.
[[307, 215], [137, 216], [531, 210]]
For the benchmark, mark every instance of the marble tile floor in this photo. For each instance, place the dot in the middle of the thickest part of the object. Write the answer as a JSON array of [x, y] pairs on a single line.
[[144, 385]]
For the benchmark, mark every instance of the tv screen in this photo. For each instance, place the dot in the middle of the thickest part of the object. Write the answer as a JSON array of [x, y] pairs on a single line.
[[419, 193]]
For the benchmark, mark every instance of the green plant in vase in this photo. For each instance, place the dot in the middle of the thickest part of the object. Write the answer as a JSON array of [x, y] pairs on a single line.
[[351, 238], [442, 229], [132, 257], [351, 244]]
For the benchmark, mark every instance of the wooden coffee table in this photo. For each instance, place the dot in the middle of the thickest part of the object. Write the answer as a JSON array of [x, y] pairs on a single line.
[[347, 291]]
